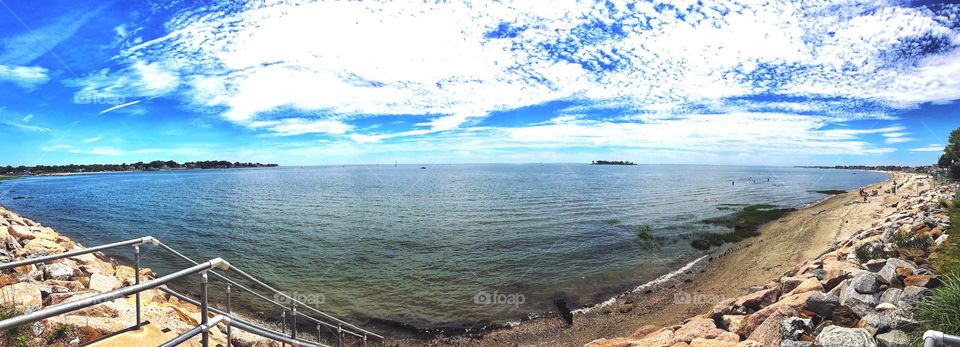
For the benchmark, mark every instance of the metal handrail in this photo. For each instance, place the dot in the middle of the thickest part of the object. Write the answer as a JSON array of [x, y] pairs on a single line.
[[136, 243], [76, 252], [265, 286], [238, 322], [108, 296], [195, 331]]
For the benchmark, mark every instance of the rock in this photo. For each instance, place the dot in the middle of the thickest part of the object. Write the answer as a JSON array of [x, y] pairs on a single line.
[[789, 283], [893, 338], [922, 281], [911, 297], [107, 309], [60, 272], [874, 265], [837, 271], [12, 244], [822, 304], [764, 326], [59, 298], [883, 306], [888, 274], [643, 331], [861, 304], [865, 283], [845, 317], [808, 285], [731, 322], [836, 336], [103, 283], [794, 327], [904, 272], [891, 295], [23, 296], [759, 299], [796, 344], [697, 327], [724, 307], [6, 279], [885, 321], [22, 233], [42, 246], [73, 286]]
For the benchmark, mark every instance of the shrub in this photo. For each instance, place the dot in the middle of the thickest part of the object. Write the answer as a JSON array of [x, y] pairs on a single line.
[[15, 336], [868, 251]]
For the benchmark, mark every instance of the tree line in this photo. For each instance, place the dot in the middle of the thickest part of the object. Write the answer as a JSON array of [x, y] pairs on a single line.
[[612, 162], [138, 166], [950, 160]]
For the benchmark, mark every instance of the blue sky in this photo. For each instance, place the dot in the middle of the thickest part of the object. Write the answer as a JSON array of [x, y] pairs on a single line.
[[782, 83]]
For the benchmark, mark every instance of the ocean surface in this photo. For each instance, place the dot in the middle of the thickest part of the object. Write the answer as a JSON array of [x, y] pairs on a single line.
[[428, 247]]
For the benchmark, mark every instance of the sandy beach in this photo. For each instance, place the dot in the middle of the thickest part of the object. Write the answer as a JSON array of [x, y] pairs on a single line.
[[782, 246]]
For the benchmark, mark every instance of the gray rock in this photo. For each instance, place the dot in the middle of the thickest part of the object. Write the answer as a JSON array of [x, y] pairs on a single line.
[[865, 283], [819, 274], [911, 297], [835, 336], [893, 338], [891, 296], [789, 343], [861, 304], [888, 274], [885, 321], [822, 303], [59, 272], [794, 327]]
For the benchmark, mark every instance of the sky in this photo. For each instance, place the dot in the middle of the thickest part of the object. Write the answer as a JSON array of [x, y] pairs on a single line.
[[361, 82]]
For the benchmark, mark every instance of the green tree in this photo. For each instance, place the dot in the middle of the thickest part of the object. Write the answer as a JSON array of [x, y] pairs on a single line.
[[951, 155]]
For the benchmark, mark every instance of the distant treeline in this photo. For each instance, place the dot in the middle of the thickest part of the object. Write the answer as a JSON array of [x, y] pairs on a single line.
[[881, 168], [138, 166], [614, 162]]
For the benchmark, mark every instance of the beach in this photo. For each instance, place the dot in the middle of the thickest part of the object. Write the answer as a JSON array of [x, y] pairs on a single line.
[[783, 246]]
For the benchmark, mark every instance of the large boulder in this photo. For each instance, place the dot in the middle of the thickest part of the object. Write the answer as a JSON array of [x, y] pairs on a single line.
[[40, 246], [836, 336], [888, 274], [757, 300], [893, 338], [889, 320], [697, 327], [865, 283], [891, 296], [23, 297], [794, 328], [822, 304], [102, 283], [59, 272], [764, 326], [911, 296], [862, 304]]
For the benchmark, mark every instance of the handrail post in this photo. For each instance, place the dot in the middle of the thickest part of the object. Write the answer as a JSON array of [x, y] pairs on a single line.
[[283, 325], [230, 311], [339, 336], [318, 334], [293, 325], [136, 279], [204, 309], [364, 340]]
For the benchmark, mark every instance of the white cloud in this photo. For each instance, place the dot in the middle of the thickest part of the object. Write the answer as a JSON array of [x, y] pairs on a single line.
[[93, 139], [450, 64], [930, 148], [28, 117], [117, 107], [27, 77], [24, 127]]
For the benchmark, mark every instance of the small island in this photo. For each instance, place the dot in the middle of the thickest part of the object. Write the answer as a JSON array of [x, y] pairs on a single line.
[[615, 162], [41, 170]]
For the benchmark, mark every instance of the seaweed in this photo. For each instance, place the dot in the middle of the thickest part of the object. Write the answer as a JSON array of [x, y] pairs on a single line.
[[744, 223]]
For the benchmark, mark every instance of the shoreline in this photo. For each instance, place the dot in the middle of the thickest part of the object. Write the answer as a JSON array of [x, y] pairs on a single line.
[[623, 313]]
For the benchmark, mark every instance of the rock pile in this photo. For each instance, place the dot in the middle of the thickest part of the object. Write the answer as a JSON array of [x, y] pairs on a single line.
[[33, 287], [860, 293]]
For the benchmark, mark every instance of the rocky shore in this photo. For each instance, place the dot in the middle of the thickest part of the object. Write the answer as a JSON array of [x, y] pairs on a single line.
[[862, 291], [33, 287]]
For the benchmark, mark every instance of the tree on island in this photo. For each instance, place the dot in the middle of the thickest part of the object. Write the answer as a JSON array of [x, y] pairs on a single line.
[[951, 155], [138, 166]]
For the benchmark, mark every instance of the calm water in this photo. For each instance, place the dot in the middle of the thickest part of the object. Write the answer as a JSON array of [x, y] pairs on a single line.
[[416, 245]]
